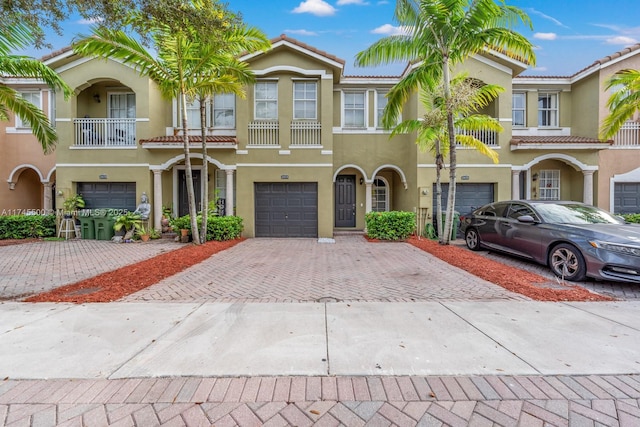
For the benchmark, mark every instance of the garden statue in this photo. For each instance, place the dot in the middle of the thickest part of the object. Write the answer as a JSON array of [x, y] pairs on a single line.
[[144, 208]]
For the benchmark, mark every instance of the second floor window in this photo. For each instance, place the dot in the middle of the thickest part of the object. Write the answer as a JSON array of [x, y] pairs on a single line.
[[354, 110], [193, 114], [122, 105], [304, 100], [34, 98], [266, 100], [224, 111], [381, 102], [548, 110], [519, 109]]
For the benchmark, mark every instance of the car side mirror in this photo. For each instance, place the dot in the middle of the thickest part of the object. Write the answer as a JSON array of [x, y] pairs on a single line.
[[527, 219]]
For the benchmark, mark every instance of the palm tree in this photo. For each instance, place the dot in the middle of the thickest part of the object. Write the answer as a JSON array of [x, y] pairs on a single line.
[[17, 37], [623, 102], [436, 36], [222, 72], [467, 97]]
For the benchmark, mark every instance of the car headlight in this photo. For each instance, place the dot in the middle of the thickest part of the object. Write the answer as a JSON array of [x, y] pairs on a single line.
[[616, 247]]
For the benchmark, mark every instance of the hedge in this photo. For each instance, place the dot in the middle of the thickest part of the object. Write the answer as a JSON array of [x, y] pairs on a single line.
[[218, 227], [27, 226], [392, 225], [634, 218]]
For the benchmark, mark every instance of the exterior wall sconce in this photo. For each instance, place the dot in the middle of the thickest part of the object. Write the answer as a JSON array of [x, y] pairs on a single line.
[[361, 181], [59, 193], [96, 97]]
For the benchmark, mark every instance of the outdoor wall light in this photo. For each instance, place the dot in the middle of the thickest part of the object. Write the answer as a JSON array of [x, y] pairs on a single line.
[[96, 97], [361, 181]]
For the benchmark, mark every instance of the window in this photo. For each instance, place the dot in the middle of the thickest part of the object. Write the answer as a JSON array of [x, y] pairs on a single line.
[[379, 196], [266, 100], [516, 210], [519, 109], [33, 97], [224, 111], [354, 111], [304, 100], [193, 114], [548, 109], [549, 185], [122, 105]]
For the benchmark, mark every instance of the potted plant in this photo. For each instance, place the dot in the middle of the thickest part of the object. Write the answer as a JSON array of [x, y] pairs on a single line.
[[71, 205], [143, 233], [129, 222], [181, 224], [166, 217]]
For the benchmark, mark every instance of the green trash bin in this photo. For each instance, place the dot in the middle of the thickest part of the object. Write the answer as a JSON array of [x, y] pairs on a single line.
[[87, 227], [104, 227]]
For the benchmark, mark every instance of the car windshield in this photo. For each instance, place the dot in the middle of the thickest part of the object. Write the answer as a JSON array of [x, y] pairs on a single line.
[[575, 214]]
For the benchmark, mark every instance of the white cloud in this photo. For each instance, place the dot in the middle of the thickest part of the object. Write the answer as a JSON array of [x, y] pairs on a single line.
[[301, 32], [315, 7], [621, 40], [545, 36], [90, 21], [547, 17], [389, 30], [359, 2]]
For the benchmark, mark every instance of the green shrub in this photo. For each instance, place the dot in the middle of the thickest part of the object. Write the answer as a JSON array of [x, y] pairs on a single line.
[[218, 227], [390, 225], [224, 227], [634, 218], [27, 226]]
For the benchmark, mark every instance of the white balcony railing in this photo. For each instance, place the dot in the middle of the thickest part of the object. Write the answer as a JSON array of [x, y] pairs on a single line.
[[264, 133], [305, 133], [105, 132], [489, 138], [628, 135]]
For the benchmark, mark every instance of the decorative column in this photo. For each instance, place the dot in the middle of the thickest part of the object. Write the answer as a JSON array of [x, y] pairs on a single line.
[[587, 196], [368, 202], [47, 204], [228, 207], [157, 199], [515, 184]]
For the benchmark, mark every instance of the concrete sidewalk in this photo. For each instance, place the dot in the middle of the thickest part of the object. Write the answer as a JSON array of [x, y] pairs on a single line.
[[143, 340]]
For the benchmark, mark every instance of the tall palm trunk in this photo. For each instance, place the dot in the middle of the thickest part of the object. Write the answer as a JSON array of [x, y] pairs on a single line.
[[191, 195], [451, 199], [205, 170], [439, 166]]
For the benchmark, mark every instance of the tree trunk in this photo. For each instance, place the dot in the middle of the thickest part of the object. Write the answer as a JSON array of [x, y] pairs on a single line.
[[448, 224], [439, 166], [205, 171], [191, 198]]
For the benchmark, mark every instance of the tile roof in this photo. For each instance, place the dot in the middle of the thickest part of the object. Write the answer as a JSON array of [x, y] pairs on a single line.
[[523, 140], [284, 37], [193, 139]]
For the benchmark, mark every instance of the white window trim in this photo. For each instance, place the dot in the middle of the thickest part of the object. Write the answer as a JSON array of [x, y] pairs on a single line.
[[315, 116], [366, 108], [255, 99], [523, 109], [386, 193], [557, 110], [213, 112], [20, 126]]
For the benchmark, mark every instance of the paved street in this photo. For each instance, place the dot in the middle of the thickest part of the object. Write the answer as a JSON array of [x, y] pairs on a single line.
[[296, 332]]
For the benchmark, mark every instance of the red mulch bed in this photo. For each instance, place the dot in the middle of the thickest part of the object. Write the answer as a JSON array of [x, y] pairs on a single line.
[[10, 242], [513, 279], [113, 285]]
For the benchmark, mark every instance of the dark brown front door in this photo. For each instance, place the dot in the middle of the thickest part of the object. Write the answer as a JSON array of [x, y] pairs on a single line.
[[183, 201], [346, 201]]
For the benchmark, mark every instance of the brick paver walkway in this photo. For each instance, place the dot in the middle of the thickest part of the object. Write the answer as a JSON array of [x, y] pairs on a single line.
[[325, 401], [295, 270]]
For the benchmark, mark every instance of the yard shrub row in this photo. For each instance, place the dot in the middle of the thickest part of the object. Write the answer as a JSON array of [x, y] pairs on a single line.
[[27, 226], [392, 225], [218, 227], [634, 218]]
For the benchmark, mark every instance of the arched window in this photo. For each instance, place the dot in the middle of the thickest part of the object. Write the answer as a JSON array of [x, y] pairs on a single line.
[[380, 195]]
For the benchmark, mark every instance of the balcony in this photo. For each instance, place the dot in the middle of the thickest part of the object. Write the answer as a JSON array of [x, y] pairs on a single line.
[[489, 138], [628, 135], [104, 133], [305, 134], [264, 133]]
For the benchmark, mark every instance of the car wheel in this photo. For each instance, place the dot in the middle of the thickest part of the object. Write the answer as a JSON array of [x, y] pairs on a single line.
[[567, 262], [472, 238]]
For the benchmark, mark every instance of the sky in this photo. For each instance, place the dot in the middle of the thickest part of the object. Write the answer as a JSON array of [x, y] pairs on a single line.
[[568, 35]]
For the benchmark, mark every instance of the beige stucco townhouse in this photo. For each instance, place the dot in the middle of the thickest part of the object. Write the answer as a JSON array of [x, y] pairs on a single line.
[[304, 154]]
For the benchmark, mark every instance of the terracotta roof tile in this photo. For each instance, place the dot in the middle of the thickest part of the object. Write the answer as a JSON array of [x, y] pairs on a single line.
[[193, 139], [291, 40], [518, 140]]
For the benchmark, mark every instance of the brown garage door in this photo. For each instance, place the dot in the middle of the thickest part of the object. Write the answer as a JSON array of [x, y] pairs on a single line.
[[286, 209]]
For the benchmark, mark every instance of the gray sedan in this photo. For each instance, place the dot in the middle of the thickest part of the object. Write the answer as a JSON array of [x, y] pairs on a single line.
[[575, 240]]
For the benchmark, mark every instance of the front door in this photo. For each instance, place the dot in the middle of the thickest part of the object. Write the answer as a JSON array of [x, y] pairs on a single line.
[[345, 201], [183, 201]]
